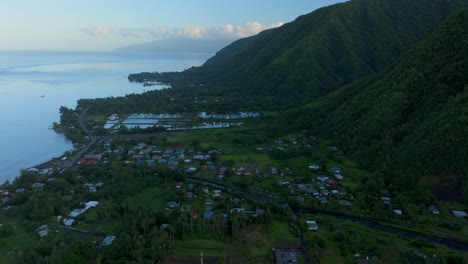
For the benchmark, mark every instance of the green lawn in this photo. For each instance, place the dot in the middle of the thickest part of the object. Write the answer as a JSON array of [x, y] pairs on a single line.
[[193, 248], [281, 230], [153, 198], [18, 240]]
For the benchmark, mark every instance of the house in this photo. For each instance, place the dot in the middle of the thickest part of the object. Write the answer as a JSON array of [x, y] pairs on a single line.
[[179, 185], [191, 170], [314, 192], [336, 170], [5, 192], [173, 163], [274, 170], [95, 157], [314, 167], [301, 187], [200, 157], [43, 230], [113, 117], [189, 195], [282, 183], [339, 176], [156, 157], [240, 171], [208, 202], [460, 214], [398, 211], [172, 204], [69, 222], [332, 183], [149, 163], [283, 256], [208, 215], [322, 178], [237, 210], [386, 200], [333, 148], [432, 209], [312, 225], [91, 204], [108, 240], [259, 211], [77, 212], [216, 193], [168, 152], [87, 185], [38, 185], [194, 215], [186, 208], [345, 202], [322, 200]]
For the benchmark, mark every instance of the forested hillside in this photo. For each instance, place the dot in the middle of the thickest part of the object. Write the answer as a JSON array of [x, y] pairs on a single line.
[[409, 122], [318, 52]]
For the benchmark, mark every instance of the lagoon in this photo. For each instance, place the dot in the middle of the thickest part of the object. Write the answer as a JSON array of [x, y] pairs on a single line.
[[34, 84]]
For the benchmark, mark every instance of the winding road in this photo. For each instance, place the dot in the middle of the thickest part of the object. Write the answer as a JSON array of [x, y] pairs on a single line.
[[450, 243], [72, 160]]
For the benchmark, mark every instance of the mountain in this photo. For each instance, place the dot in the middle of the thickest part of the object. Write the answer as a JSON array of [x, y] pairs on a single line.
[[179, 46], [319, 52], [410, 122]]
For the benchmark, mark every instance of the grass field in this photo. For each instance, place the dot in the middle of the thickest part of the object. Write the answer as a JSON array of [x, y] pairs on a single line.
[[281, 235], [153, 198], [193, 248]]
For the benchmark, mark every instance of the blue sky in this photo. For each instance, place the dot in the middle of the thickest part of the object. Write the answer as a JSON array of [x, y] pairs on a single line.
[[109, 24]]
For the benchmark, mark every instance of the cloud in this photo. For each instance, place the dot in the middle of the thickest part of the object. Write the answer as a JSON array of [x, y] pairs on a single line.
[[98, 31], [190, 32]]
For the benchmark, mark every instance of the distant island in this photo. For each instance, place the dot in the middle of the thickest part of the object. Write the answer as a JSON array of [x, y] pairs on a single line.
[[179, 46]]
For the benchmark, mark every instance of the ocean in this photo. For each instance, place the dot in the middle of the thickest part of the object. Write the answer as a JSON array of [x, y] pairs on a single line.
[[35, 84]]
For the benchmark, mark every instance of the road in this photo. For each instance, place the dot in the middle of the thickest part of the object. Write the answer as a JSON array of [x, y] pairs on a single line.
[[264, 198], [72, 160]]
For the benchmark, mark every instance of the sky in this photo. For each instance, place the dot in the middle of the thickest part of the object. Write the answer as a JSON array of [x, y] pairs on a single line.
[[110, 24]]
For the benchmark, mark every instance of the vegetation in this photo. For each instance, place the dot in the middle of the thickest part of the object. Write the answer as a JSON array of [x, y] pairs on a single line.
[[407, 123], [361, 160], [313, 55]]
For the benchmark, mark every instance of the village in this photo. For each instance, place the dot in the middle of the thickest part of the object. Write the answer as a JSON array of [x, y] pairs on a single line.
[[209, 191]]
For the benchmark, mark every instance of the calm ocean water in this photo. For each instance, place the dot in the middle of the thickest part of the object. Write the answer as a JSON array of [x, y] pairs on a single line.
[[34, 84]]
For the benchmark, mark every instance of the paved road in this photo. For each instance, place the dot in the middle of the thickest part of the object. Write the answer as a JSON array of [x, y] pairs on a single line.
[[72, 160]]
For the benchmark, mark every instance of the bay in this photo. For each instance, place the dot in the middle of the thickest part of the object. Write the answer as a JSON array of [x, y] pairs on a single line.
[[34, 84]]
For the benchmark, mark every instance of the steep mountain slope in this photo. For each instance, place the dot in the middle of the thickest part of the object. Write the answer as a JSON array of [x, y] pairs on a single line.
[[409, 122], [321, 51]]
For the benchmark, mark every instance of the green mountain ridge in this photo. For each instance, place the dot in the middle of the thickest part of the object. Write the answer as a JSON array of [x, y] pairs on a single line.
[[318, 52], [409, 122], [405, 122]]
